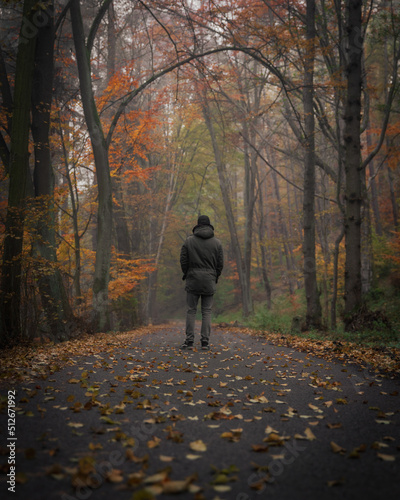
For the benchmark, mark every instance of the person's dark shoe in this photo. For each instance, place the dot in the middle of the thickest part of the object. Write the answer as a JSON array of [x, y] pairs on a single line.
[[205, 346], [186, 345]]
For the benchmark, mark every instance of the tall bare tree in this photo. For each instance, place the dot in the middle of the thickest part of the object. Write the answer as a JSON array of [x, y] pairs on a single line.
[[100, 153], [314, 312]]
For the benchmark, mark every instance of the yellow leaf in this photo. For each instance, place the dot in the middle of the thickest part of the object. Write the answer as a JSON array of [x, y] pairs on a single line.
[[153, 443], [75, 425], [222, 488], [309, 434], [386, 458], [114, 476], [172, 487], [337, 448], [227, 435], [95, 446], [156, 478], [198, 445]]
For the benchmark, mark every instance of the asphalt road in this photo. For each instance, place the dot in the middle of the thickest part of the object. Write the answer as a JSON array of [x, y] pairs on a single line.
[[245, 420]]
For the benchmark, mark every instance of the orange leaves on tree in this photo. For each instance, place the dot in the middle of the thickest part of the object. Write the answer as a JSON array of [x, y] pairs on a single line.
[[126, 274]]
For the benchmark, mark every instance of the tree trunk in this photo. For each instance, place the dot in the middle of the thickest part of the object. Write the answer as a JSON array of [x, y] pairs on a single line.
[[119, 213], [51, 286], [353, 169], [250, 159], [111, 37], [264, 263], [374, 190], [6, 107], [224, 185], [262, 229], [393, 200], [120, 220], [335, 278], [10, 324], [313, 313], [104, 214], [287, 246], [77, 238]]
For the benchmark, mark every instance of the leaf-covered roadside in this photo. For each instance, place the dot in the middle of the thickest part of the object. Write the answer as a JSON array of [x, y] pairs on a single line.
[[23, 363], [27, 362], [384, 360]]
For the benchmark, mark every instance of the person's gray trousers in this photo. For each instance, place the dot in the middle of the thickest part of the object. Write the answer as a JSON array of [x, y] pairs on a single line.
[[192, 300]]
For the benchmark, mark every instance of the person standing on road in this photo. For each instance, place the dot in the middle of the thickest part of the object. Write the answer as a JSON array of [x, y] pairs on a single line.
[[202, 261]]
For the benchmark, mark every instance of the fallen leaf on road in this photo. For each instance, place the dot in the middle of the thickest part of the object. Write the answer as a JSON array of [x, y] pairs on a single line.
[[308, 435], [337, 448], [386, 458], [198, 445], [153, 443], [334, 426], [115, 476], [335, 482], [156, 478], [260, 448], [173, 487], [75, 425], [222, 488]]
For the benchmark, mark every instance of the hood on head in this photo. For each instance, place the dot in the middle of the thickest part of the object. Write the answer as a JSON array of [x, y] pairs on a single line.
[[204, 232]]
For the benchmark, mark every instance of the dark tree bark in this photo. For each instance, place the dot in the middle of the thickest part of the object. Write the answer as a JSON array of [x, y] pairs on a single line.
[[374, 190], [262, 230], [119, 213], [335, 278], [6, 106], [74, 200], [353, 166], [10, 298], [314, 312], [282, 229], [100, 152], [52, 291], [393, 199]]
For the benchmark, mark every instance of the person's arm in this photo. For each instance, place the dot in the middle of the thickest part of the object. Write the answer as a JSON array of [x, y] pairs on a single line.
[[184, 260], [220, 261]]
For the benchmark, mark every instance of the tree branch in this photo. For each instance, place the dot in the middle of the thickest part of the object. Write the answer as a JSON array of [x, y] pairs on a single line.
[[95, 25], [388, 107], [280, 174]]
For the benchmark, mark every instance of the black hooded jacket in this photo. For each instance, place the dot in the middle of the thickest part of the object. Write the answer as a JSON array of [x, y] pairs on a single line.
[[202, 261]]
